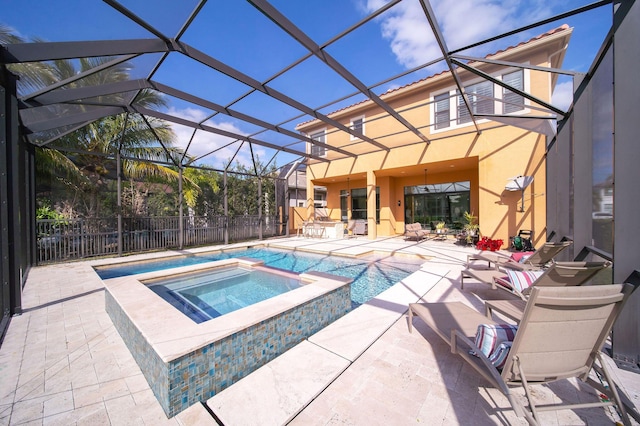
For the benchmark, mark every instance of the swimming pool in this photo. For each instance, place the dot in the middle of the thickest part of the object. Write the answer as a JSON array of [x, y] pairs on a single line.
[[208, 294], [371, 274]]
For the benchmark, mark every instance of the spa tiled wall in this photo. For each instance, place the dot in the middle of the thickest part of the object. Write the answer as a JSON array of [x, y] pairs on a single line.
[[199, 375]]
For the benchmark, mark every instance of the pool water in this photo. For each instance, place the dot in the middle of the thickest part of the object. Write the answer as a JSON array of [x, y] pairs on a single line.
[[209, 294], [371, 274]]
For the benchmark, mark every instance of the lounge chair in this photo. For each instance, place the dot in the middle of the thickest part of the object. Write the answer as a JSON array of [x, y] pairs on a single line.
[[414, 231], [520, 283], [532, 260], [561, 336]]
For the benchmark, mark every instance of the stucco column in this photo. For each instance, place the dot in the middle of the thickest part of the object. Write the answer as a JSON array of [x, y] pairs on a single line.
[[372, 230]]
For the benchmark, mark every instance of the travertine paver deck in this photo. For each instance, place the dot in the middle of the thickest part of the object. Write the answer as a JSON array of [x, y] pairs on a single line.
[[62, 362]]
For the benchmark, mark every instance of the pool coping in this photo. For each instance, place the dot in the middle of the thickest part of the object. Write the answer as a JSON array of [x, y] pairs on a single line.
[[347, 251], [151, 313]]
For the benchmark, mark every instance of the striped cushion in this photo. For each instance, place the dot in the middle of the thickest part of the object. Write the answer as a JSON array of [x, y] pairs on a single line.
[[499, 356], [494, 341], [503, 281], [521, 280]]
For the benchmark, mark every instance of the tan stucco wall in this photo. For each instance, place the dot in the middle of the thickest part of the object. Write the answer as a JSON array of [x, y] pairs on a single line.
[[486, 155], [494, 156]]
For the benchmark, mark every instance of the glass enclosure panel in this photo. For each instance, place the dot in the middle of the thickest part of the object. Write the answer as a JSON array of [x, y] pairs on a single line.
[[603, 189]]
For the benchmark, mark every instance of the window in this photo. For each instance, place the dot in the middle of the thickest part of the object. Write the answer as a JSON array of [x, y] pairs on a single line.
[[512, 101], [359, 204], [481, 101], [357, 124], [442, 111], [344, 199], [483, 97], [320, 196], [316, 149], [444, 202]]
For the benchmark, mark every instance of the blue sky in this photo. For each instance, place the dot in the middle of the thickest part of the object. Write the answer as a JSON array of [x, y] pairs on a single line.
[[237, 34]]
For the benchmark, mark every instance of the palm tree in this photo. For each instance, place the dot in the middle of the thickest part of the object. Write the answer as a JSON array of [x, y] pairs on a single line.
[[96, 146], [84, 158], [33, 75]]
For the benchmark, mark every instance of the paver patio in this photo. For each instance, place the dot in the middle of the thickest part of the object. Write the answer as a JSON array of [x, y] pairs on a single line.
[[63, 362]]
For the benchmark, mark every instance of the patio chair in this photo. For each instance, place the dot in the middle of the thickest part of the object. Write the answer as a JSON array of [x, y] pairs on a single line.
[[520, 283], [561, 336], [414, 231], [360, 228], [351, 226], [524, 261]]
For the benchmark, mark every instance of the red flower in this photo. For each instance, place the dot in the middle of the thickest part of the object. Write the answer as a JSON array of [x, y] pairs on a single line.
[[487, 243]]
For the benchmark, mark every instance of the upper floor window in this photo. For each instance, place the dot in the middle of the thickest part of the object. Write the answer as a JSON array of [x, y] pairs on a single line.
[[481, 101], [484, 98], [357, 124], [512, 101], [318, 149]]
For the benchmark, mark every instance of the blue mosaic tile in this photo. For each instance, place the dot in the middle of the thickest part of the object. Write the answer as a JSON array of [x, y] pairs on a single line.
[[206, 371]]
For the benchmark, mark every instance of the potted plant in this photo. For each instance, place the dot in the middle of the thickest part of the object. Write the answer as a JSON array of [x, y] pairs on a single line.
[[440, 227], [471, 228]]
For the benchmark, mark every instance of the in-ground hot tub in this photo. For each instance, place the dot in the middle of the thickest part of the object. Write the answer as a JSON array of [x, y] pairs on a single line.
[[186, 362]]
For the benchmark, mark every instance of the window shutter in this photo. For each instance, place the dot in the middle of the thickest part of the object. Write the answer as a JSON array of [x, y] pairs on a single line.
[[512, 101], [480, 98], [442, 109], [483, 99]]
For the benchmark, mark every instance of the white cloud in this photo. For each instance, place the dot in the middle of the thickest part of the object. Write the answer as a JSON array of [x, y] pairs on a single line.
[[562, 95], [204, 143], [406, 27], [462, 22]]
